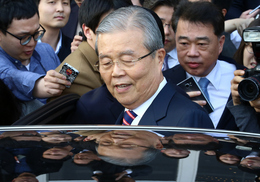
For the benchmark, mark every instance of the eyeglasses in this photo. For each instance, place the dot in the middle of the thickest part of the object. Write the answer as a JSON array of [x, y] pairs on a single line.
[[249, 48], [27, 38], [106, 65], [123, 145], [169, 25]]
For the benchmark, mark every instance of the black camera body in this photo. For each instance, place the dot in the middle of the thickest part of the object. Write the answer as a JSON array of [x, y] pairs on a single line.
[[249, 88]]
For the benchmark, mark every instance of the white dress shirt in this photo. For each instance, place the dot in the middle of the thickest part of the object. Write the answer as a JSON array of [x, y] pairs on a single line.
[[142, 108], [219, 88]]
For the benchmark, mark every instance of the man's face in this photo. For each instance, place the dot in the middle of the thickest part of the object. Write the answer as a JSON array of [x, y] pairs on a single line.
[[54, 14], [56, 153], [85, 157], [12, 46], [26, 177], [133, 86], [57, 138], [198, 47], [130, 144], [251, 162], [79, 2], [136, 2], [193, 139], [165, 13]]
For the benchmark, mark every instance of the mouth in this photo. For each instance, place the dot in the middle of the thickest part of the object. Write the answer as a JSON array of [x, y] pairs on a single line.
[[193, 65], [122, 87], [59, 17], [253, 64], [28, 52]]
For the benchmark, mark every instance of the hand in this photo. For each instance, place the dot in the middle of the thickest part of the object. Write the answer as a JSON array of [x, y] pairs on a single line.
[[76, 42], [234, 86], [246, 14], [51, 85], [256, 104], [120, 175], [195, 94]]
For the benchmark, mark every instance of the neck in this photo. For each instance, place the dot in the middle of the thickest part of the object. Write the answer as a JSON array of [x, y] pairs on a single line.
[[25, 62], [51, 37]]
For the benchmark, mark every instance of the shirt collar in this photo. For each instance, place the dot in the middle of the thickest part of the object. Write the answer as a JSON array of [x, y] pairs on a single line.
[[213, 76], [142, 108]]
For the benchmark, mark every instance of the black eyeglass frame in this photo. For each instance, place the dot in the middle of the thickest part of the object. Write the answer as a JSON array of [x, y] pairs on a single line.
[[96, 65], [29, 36]]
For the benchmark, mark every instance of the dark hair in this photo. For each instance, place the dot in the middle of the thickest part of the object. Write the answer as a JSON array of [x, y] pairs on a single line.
[[10, 106], [200, 12], [222, 4], [91, 11], [153, 4], [219, 154], [122, 3], [38, 2], [15, 9], [239, 54]]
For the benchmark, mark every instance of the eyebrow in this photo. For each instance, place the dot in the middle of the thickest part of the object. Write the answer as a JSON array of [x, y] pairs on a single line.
[[29, 32], [127, 52], [197, 38]]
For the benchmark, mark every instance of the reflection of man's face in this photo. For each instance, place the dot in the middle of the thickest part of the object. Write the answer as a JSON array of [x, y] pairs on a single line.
[[130, 144], [56, 153], [178, 153], [85, 157], [56, 138], [251, 162], [25, 177], [193, 139], [229, 159]]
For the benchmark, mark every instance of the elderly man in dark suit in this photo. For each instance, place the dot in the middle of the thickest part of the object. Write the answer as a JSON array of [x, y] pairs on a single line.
[[199, 27], [130, 62]]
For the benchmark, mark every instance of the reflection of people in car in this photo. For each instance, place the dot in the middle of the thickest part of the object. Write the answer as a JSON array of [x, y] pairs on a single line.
[[193, 141], [58, 153], [85, 157], [22, 135], [176, 153], [251, 163], [127, 147], [25, 177], [56, 138], [228, 159]]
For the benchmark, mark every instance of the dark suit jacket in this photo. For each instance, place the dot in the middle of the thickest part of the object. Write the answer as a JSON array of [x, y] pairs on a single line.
[[97, 107], [171, 108], [177, 74], [65, 47], [239, 6]]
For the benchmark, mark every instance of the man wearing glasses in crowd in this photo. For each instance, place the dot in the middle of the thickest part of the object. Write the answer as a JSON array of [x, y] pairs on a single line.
[[26, 67]]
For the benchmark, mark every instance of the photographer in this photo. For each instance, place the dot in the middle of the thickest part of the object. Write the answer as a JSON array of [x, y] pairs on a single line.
[[246, 109]]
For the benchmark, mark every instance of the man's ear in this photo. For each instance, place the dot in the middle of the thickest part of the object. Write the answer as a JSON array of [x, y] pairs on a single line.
[[161, 54], [87, 32], [224, 12], [221, 43]]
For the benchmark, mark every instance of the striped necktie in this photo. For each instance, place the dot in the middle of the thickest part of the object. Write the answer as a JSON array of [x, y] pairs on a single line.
[[129, 116]]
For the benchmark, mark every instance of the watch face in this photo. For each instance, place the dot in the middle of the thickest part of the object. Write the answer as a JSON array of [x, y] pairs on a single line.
[[114, 153]]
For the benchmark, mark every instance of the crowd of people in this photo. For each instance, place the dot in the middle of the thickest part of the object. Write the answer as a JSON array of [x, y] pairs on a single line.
[[130, 60]]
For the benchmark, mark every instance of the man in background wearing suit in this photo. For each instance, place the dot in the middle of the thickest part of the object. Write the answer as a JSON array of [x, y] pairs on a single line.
[[198, 29], [130, 62]]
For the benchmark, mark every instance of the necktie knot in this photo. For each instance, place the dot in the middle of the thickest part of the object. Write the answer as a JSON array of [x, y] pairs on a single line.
[[204, 82], [129, 116]]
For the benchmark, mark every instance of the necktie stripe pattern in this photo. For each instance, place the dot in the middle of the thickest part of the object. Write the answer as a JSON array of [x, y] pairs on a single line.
[[165, 63], [129, 116]]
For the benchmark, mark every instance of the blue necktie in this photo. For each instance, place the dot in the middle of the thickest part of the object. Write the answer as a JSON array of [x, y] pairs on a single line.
[[203, 82], [165, 63], [129, 116]]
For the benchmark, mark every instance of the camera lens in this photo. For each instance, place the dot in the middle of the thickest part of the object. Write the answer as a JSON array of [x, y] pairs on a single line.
[[248, 89]]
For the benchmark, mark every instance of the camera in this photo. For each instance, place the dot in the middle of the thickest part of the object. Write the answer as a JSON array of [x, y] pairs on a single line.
[[249, 88]]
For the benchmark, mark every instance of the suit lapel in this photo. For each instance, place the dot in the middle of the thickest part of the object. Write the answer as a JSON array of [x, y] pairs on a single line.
[[158, 108]]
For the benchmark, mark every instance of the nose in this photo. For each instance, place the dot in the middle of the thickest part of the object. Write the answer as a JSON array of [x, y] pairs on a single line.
[[193, 51], [31, 43], [116, 70], [166, 30], [59, 6]]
